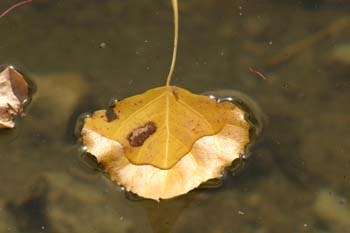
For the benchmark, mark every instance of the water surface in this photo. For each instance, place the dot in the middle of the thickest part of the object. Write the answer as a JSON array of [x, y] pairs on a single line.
[[82, 54]]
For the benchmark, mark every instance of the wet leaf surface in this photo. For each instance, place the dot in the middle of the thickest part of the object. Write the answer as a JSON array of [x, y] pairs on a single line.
[[159, 127], [162, 144], [13, 94]]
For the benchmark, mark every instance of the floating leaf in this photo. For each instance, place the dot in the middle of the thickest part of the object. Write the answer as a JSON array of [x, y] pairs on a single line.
[[13, 94], [160, 126], [166, 141], [204, 152]]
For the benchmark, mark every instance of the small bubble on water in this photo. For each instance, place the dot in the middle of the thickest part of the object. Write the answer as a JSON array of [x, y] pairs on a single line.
[[244, 156], [240, 212], [342, 201], [102, 45], [285, 86], [212, 97], [227, 99]]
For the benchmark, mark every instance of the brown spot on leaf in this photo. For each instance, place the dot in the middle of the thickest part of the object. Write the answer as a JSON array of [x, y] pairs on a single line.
[[139, 135], [110, 114]]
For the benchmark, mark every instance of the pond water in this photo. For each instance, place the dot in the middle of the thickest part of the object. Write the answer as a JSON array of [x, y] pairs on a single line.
[[83, 54]]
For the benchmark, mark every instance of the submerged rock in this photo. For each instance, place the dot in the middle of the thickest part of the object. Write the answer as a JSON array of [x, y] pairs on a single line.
[[30, 212], [338, 64], [56, 98], [6, 222], [341, 55], [333, 210], [58, 203]]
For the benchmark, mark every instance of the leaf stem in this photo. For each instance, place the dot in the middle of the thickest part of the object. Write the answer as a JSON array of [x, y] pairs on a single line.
[[176, 32]]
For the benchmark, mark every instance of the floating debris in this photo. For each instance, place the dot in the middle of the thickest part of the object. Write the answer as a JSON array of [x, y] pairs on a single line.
[[13, 95]]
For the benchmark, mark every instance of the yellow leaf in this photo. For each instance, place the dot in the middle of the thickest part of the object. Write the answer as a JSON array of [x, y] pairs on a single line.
[[160, 126], [166, 141], [206, 160]]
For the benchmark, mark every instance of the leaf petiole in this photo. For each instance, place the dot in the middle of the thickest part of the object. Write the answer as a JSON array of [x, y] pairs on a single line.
[[176, 31]]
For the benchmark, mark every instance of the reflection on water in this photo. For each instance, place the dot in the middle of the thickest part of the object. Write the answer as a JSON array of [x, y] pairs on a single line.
[[298, 173]]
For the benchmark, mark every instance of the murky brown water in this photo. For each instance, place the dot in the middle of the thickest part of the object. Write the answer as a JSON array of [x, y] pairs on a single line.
[[297, 178]]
